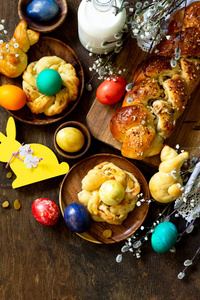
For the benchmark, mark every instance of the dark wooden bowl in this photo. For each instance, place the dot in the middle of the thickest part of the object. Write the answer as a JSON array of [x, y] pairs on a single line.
[[72, 185], [43, 27], [47, 46], [86, 145]]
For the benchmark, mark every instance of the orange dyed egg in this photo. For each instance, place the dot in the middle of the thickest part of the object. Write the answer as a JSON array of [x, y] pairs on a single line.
[[12, 97]]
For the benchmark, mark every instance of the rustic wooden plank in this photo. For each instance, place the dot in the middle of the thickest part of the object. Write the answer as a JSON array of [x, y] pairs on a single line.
[[53, 263]]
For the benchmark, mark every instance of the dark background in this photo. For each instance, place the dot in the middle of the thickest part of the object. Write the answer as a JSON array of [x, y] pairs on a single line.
[[53, 263]]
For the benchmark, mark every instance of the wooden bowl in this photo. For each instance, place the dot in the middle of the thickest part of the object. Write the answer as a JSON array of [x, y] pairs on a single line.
[[47, 46], [43, 27], [86, 145], [72, 185]]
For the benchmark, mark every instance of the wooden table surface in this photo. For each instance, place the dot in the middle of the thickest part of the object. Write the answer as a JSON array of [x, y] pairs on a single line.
[[53, 263]]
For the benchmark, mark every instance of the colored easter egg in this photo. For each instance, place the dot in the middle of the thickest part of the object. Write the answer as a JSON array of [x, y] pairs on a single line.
[[12, 97], [70, 139], [49, 82], [42, 10], [164, 237], [45, 211], [111, 192], [111, 91], [77, 217]]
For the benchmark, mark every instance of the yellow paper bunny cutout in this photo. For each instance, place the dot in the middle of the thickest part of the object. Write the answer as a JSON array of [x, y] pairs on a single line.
[[46, 168], [166, 185]]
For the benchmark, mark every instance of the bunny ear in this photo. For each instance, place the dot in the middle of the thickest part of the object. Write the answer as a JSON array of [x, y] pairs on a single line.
[[11, 128]]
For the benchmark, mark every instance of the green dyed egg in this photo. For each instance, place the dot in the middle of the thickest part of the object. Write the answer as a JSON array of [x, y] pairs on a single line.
[[164, 237], [49, 82]]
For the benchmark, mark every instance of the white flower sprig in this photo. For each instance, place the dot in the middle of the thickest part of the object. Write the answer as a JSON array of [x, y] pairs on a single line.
[[3, 34], [146, 21], [31, 161], [134, 243], [26, 152]]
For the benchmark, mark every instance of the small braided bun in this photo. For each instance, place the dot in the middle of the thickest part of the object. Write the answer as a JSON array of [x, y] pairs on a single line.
[[54, 104]]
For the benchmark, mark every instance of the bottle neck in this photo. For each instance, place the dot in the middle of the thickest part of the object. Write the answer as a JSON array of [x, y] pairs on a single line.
[[103, 5]]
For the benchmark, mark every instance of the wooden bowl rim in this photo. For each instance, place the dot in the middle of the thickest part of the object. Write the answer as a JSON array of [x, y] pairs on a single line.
[[80, 169], [17, 81], [43, 27]]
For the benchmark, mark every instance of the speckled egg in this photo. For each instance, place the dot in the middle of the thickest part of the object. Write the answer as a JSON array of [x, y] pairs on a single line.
[[164, 237], [77, 217], [49, 82], [42, 10]]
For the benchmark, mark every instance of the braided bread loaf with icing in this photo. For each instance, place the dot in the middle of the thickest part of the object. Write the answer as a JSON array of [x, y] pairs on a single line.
[[13, 55], [160, 92]]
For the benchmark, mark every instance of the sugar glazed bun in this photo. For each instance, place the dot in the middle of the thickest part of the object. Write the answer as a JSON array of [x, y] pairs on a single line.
[[166, 185], [90, 196], [54, 104], [13, 55], [160, 92]]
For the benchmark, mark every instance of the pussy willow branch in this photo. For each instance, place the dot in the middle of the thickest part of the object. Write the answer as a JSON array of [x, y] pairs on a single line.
[[147, 56], [161, 20], [182, 25]]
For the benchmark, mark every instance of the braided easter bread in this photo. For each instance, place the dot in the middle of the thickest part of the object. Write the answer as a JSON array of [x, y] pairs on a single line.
[[53, 104], [90, 195], [149, 112], [13, 55]]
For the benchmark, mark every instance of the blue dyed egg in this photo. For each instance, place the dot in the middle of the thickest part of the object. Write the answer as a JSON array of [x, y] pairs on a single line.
[[164, 237], [49, 82], [77, 217], [42, 10]]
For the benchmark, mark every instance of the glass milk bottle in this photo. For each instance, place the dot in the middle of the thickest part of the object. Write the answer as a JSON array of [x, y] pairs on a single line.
[[97, 24]]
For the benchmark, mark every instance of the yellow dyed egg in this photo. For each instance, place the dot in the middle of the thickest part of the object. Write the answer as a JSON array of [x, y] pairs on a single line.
[[70, 139], [111, 192]]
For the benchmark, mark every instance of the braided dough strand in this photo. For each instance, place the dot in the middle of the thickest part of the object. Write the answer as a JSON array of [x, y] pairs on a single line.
[[90, 197], [14, 59], [160, 92], [54, 104]]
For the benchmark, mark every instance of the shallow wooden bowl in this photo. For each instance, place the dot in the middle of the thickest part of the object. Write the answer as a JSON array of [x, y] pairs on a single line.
[[86, 145], [43, 27], [72, 185], [47, 46]]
